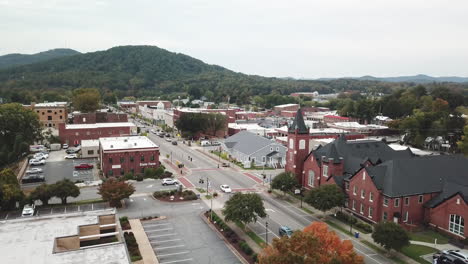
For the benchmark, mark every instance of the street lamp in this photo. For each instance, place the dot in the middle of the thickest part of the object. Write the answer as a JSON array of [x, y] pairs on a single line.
[[266, 230]]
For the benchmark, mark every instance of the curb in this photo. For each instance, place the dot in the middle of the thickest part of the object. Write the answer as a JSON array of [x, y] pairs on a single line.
[[231, 248]]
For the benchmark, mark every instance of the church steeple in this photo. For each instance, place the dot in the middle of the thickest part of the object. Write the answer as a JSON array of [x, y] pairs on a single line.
[[298, 124]]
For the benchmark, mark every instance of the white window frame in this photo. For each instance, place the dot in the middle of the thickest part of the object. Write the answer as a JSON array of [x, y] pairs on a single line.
[[370, 212], [371, 197], [363, 194], [364, 175], [291, 143], [456, 224], [346, 186], [325, 171], [421, 199], [385, 201], [302, 144], [311, 179], [354, 205], [407, 199], [361, 209], [396, 202], [264, 159], [354, 189], [385, 216]]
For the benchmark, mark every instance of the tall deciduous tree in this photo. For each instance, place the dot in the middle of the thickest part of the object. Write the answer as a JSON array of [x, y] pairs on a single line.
[[325, 197], [86, 99], [285, 181], [64, 189], [244, 208], [10, 191], [43, 193], [463, 143], [315, 244], [390, 235], [114, 191]]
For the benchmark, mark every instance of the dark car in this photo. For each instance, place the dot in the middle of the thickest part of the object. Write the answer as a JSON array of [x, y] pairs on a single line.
[[84, 166], [174, 143], [225, 164], [33, 178], [285, 231]]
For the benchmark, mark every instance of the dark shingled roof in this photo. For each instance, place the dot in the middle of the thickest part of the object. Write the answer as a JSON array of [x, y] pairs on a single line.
[[298, 124], [419, 175], [355, 153]]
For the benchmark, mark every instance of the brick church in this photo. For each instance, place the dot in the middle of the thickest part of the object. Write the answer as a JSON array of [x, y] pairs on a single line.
[[382, 184]]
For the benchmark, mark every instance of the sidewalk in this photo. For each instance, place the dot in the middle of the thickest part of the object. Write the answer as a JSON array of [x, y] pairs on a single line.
[[146, 250], [439, 247]]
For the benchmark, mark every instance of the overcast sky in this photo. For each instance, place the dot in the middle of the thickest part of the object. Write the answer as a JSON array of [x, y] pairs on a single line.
[[310, 38]]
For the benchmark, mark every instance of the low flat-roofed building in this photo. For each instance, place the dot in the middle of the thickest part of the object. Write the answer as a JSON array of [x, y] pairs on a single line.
[[63, 239], [51, 114], [121, 155], [90, 148], [73, 134]]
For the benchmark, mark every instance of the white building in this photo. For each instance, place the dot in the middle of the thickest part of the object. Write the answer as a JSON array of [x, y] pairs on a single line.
[[90, 148]]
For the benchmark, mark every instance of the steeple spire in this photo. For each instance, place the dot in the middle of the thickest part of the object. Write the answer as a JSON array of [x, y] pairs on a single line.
[[298, 124]]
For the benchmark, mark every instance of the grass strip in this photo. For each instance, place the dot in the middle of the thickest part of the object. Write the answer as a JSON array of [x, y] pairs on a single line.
[[256, 238], [383, 252], [416, 251]]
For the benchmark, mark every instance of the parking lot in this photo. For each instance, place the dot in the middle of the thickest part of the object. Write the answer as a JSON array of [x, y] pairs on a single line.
[[41, 211], [58, 168]]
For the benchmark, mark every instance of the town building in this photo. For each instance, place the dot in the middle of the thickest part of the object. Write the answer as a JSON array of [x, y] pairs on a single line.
[[383, 184], [90, 148], [305, 94], [250, 148], [285, 107], [73, 134], [50, 114], [153, 103], [127, 106], [99, 117], [80, 237], [121, 155]]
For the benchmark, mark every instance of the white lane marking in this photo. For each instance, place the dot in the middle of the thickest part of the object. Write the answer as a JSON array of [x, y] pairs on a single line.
[[131, 200], [158, 230], [178, 253], [173, 234], [175, 261], [149, 225], [162, 248], [144, 199], [149, 186], [269, 210]]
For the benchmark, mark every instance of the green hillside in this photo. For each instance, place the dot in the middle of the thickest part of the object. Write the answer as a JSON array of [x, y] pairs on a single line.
[[149, 71], [11, 60]]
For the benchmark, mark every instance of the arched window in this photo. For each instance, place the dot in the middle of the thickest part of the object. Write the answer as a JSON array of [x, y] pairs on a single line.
[[456, 224], [311, 178], [302, 144], [291, 143]]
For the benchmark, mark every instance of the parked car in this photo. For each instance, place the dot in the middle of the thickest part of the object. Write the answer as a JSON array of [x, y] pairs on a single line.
[[457, 253], [285, 231], [161, 135], [168, 139], [71, 156], [33, 178], [215, 143], [36, 162], [442, 258], [225, 188], [84, 166], [28, 210], [205, 143], [65, 146], [168, 135], [41, 155], [34, 171], [225, 164], [174, 143], [153, 131], [169, 181]]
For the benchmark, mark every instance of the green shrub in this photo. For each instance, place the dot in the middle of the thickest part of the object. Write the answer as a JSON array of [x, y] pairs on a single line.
[[123, 219], [364, 226], [246, 248], [139, 178], [129, 176]]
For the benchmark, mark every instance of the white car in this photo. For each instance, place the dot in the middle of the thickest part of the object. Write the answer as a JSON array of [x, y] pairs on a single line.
[[41, 156], [71, 156], [36, 162], [225, 188], [28, 210], [33, 171], [65, 146], [169, 181]]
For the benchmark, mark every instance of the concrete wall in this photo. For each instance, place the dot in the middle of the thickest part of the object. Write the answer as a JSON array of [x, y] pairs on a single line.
[[67, 243], [89, 230]]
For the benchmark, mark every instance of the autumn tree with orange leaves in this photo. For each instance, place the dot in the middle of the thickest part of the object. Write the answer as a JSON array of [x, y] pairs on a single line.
[[315, 244]]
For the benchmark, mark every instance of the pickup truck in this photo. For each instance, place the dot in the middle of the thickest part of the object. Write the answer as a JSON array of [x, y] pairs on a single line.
[[84, 166]]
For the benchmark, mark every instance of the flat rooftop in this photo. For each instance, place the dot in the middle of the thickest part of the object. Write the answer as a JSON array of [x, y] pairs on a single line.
[[99, 125], [120, 143], [31, 240], [51, 104], [89, 143], [286, 105]]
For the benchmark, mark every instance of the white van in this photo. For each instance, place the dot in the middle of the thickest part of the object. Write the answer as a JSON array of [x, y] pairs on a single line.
[[205, 143]]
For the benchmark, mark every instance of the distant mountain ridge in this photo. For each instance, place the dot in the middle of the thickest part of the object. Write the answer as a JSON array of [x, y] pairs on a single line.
[[17, 59], [420, 78]]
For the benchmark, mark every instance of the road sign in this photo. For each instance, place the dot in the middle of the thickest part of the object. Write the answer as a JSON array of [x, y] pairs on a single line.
[[297, 191]]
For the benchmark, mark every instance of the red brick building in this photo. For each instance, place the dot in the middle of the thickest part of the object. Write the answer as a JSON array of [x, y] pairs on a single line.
[[334, 119], [121, 155], [99, 117], [72, 134], [383, 184]]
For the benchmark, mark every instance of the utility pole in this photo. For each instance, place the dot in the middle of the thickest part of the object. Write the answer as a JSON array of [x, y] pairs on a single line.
[[207, 183], [266, 231]]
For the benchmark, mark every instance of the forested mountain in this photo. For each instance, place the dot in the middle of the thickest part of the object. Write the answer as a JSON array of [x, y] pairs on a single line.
[[149, 71], [420, 78], [17, 59]]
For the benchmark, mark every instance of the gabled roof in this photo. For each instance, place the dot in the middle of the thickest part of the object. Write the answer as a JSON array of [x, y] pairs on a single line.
[[298, 124], [247, 142], [419, 175], [355, 152]]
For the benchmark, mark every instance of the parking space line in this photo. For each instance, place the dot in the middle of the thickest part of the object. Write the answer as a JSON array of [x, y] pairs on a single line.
[[165, 241], [156, 224], [162, 248], [175, 261], [173, 234], [172, 254], [157, 230]]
